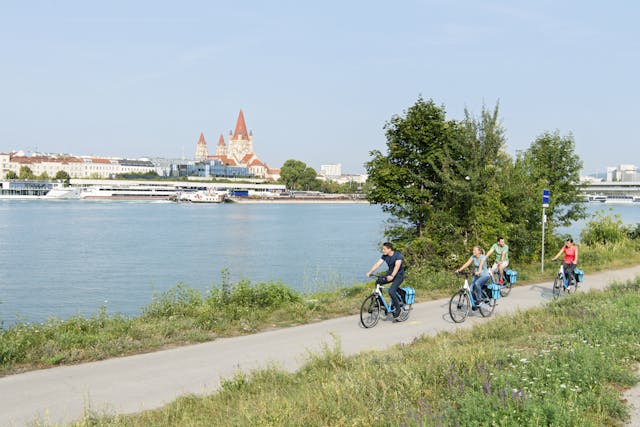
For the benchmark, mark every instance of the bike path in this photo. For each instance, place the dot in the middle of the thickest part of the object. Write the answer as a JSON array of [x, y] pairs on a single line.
[[147, 381]]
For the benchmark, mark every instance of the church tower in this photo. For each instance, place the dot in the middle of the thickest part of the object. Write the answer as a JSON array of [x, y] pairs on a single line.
[[221, 149], [241, 142], [201, 149]]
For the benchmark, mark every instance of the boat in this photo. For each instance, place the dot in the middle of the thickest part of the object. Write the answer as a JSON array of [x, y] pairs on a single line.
[[34, 190], [598, 198], [202, 196], [129, 192]]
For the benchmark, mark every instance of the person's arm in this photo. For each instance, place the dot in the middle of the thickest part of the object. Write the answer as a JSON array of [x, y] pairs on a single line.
[[490, 252], [396, 267], [465, 265], [375, 267], [558, 254], [576, 261], [482, 261]]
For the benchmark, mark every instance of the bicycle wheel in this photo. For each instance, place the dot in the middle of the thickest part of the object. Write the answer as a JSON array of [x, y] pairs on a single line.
[[486, 308], [505, 289], [370, 311], [557, 286], [573, 286], [459, 306]]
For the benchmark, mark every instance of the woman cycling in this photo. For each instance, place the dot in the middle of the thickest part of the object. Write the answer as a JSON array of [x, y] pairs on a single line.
[[480, 274], [570, 259]]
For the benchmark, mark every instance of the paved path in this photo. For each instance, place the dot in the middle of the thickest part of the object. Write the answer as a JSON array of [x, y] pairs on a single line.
[[134, 383]]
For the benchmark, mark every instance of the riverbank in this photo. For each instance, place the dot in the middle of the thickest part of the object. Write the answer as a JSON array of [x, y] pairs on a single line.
[[184, 315], [295, 200]]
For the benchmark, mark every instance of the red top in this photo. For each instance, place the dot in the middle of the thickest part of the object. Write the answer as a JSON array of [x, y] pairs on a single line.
[[570, 255]]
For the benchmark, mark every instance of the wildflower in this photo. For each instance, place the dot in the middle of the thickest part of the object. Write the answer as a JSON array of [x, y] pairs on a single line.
[[524, 360], [563, 386]]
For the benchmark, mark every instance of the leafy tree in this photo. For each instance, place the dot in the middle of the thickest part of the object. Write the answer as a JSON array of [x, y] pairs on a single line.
[[63, 176], [296, 175], [422, 149], [551, 161], [11, 175], [43, 176], [26, 173]]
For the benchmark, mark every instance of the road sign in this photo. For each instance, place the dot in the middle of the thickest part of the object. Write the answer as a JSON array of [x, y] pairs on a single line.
[[545, 198]]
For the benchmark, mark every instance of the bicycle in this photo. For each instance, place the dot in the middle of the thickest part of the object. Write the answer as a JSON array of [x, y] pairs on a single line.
[[375, 303], [564, 285], [463, 301]]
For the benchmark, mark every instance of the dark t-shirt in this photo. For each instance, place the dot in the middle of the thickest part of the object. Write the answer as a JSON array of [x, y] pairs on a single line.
[[391, 262]]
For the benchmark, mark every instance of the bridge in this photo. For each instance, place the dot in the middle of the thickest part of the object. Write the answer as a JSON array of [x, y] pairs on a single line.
[[631, 188]]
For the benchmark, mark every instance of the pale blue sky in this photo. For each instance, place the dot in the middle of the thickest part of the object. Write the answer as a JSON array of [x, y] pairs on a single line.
[[316, 81]]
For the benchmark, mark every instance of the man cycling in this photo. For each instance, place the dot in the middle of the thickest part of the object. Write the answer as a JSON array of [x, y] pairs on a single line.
[[570, 259], [395, 274], [502, 258]]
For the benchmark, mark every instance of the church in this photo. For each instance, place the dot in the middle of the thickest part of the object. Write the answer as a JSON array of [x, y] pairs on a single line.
[[237, 151]]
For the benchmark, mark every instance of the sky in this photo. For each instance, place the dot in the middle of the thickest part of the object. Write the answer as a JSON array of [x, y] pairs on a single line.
[[317, 81]]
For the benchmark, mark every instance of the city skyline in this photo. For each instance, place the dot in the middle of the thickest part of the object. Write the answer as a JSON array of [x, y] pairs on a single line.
[[319, 81]]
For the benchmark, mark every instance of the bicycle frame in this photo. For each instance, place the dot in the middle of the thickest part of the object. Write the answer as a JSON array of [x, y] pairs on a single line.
[[380, 294], [565, 280]]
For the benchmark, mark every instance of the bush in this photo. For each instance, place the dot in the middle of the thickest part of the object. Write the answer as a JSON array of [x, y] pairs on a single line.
[[603, 229]]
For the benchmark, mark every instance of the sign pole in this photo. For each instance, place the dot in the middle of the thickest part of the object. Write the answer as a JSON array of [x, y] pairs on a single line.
[[545, 205]]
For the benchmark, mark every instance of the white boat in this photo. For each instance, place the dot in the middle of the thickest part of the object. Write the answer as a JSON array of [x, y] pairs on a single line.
[[129, 192], [598, 198], [202, 196], [34, 190]]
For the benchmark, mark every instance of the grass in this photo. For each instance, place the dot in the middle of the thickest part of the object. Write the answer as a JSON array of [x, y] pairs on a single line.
[[185, 315], [564, 364]]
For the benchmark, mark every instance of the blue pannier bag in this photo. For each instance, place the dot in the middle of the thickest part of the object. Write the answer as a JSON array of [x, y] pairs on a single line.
[[511, 275], [408, 295], [495, 290], [579, 274]]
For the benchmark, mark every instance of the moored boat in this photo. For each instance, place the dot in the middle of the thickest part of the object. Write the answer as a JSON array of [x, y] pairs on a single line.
[[202, 196], [36, 190]]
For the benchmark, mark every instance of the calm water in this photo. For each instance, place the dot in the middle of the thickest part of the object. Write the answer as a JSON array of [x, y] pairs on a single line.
[[59, 258], [68, 257]]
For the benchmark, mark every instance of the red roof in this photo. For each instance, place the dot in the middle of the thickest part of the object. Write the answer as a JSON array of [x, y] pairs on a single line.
[[241, 128], [221, 140], [246, 158], [225, 160], [256, 162], [201, 141]]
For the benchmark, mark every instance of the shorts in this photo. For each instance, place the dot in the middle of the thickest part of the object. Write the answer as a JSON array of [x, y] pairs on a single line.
[[494, 267]]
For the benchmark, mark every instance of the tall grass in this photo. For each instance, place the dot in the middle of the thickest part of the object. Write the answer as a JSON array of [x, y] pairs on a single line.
[[563, 364]]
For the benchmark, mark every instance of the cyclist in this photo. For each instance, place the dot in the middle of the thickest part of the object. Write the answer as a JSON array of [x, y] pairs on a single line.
[[480, 274], [502, 258], [570, 259], [395, 273]]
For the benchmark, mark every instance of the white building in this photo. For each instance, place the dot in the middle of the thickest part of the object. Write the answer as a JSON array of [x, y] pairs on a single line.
[[331, 170]]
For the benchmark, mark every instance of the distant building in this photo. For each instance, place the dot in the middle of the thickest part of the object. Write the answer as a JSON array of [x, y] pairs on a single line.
[[76, 167], [209, 168], [331, 170], [237, 151], [622, 173]]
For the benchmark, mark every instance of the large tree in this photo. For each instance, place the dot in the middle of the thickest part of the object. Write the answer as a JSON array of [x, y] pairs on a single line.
[[423, 149], [26, 173], [296, 175]]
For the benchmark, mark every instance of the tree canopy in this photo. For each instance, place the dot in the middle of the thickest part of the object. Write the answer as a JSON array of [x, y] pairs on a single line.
[[450, 184], [296, 175]]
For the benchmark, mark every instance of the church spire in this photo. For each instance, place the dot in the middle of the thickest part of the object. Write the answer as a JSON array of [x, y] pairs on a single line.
[[201, 141], [241, 128], [201, 149], [221, 140]]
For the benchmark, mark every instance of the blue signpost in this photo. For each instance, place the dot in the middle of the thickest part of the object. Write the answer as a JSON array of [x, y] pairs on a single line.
[[545, 205]]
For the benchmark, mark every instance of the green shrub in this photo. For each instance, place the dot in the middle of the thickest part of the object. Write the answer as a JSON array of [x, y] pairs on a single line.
[[603, 229]]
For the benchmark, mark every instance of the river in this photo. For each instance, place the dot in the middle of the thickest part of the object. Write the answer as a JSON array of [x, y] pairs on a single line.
[[61, 258]]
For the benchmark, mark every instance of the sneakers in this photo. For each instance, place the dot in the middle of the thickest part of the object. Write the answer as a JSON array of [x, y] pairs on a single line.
[[500, 281]]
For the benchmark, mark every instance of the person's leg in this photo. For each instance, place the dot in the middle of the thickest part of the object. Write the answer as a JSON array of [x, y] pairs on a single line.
[[494, 270], [476, 286], [502, 267], [393, 293], [480, 283], [569, 272]]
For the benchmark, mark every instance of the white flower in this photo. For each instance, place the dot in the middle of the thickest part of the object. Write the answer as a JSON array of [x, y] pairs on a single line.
[[563, 386], [524, 360]]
